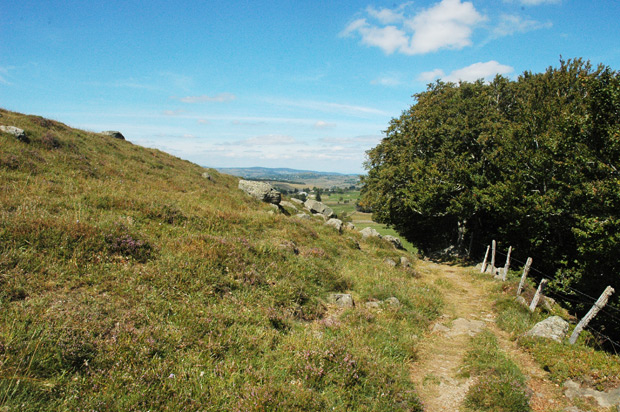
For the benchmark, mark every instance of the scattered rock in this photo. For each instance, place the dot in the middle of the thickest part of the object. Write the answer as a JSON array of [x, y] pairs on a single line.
[[349, 226], [390, 262], [373, 305], [604, 399], [319, 208], [393, 301], [548, 303], [521, 300], [303, 216], [335, 223], [553, 327], [113, 133], [463, 326], [344, 300], [394, 241], [288, 204], [207, 176], [261, 191], [404, 262], [17, 132], [298, 201], [370, 232], [440, 328]]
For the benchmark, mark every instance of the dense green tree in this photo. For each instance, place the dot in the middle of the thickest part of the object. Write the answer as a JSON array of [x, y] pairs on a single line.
[[532, 162]]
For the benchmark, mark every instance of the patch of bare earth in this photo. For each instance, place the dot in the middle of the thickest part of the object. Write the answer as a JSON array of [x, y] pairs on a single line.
[[469, 309]]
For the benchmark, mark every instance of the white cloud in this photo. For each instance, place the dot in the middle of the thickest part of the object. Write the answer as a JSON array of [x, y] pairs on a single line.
[[324, 125], [388, 80], [222, 97], [173, 112], [538, 2], [329, 107], [446, 25], [510, 24], [269, 140], [487, 71]]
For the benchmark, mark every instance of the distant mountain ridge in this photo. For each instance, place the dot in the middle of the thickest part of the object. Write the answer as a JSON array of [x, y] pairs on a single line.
[[278, 172]]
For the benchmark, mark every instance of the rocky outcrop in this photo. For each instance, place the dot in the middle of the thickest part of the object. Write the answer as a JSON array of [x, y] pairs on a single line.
[[15, 131], [261, 191], [298, 201], [113, 133], [604, 399], [319, 208], [551, 328], [335, 223], [370, 232], [344, 300], [394, 241]]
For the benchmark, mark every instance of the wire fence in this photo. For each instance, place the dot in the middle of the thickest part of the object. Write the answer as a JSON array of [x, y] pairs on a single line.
[[610, 313]]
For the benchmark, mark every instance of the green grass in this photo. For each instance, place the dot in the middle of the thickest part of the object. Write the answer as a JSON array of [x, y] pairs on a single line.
[[130, 282], [583, 362], [500, 385]]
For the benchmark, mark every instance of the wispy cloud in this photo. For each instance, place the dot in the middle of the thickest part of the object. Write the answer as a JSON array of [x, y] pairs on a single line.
[[510, 24], [324, 125], [268, 140], [4, 71], [487, 70], [389, 80], [448, 24], [173, 112], [219, 98], [329, 107], [534, 2]]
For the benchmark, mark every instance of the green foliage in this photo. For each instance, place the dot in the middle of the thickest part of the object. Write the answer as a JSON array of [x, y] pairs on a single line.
[[500, 385], [533, 162]]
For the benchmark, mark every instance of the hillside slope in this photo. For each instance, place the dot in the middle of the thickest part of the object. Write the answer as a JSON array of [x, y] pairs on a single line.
[[129, 281]]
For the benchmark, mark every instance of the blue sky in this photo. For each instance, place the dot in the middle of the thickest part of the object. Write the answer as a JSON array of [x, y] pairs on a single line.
[[301, 84]]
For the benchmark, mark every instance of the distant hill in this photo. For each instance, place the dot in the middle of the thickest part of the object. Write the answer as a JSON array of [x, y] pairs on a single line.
[[295, 177]]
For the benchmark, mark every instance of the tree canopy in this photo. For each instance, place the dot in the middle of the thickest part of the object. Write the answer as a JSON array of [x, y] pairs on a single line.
[[531, 162]]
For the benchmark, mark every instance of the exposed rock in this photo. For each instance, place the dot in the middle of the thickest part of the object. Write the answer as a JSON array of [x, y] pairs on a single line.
[[389, 262], [349, 226], [343, 300], [463, 326], [393, 301], [373, 305], [404, 262], [521, 300], [548, 303], [261, 191], [319, 208], [303, 216], [115, 134], [207, 176], [335, 223], [394, 241], [553, 327], [288, 204], [604, 399], [15, 131], [439, 328], [370, 232], [298, 201]]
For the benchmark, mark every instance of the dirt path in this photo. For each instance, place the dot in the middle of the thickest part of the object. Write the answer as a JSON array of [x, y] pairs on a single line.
[[468, 309]]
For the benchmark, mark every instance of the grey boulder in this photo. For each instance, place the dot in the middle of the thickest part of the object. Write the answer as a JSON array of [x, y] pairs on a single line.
[[261, 191], [553, 327], [394, 241], [15, 131], [335, 223], [114, 133], [369, 232], [318, 208]]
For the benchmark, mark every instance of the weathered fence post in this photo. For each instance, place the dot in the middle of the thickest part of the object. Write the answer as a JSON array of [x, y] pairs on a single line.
[[526, 270], [537, 295], [493, 247], [507, 265], [484, 262], [598, 305]]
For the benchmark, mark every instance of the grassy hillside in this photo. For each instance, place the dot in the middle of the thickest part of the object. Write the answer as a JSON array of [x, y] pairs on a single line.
[[128, 281]]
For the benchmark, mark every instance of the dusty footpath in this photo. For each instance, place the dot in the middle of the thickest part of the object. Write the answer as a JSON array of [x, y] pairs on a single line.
[[468, 310]]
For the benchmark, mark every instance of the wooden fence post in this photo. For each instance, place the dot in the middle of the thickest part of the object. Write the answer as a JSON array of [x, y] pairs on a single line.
[[493, 247], [598, 305], [507, 265], [526, 270], [537, 295], [484, 262]]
